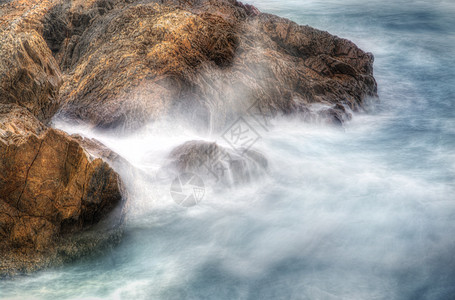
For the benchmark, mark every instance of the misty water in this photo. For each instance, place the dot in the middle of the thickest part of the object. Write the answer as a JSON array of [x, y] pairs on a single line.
[[362, 212]]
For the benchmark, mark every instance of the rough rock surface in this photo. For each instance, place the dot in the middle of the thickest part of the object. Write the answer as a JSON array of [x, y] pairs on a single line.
[[29, 74], [130, 62], [137, 62], [215, 163], [50, 190]]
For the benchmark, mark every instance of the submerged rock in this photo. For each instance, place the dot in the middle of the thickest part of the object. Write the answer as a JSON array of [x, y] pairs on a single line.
[[56, 202], [212, 162]]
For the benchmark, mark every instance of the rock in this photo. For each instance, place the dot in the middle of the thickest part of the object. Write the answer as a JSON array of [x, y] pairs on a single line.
[[250, 10], [131, 65], [128, 172], [96, 149], [214, 163], [130, 62], [29, 74], [53, 196], [126, 63]]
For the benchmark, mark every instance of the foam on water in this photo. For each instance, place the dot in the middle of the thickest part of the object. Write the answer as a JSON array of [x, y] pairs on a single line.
[[366, 212]]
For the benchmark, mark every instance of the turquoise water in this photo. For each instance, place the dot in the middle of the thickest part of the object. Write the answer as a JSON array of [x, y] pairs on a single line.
[[367, 212]]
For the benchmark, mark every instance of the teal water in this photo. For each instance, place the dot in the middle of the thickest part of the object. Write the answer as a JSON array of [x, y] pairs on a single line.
[[367, 212]]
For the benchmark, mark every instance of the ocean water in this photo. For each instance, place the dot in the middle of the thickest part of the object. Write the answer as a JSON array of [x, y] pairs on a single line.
[[363, 212]]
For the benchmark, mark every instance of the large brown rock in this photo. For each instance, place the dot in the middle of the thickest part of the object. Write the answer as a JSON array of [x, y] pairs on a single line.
[[130, 62], [52, 195], [29, 74]]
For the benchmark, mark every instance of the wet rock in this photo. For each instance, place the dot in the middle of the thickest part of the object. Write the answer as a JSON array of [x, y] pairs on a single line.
[[130, 62], [217, 164], [56, 202], [96, 149]]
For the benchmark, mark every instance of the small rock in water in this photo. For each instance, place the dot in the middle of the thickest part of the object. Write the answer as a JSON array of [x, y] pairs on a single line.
[[213, 163]]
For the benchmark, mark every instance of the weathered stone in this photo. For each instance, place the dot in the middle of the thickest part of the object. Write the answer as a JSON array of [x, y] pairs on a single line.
[[50, 189], [29, 74], [130, 62]]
